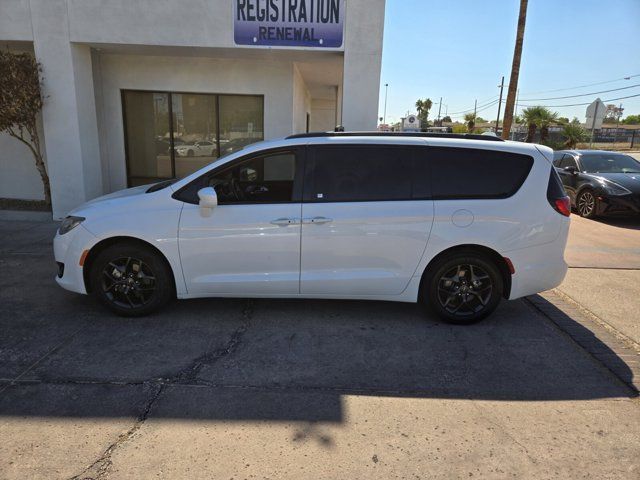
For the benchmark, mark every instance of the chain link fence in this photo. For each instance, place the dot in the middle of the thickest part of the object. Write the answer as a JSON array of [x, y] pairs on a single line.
[[604, 139]]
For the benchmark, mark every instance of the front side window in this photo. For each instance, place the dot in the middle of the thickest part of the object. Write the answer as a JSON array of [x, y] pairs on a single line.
[[568, 161], [359, 174], [267, 179]]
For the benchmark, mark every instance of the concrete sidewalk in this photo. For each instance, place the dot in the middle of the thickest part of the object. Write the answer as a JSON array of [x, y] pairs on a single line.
[[604, 273]]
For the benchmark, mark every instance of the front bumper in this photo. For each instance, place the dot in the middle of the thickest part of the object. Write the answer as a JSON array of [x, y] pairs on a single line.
[[67, 250], [618, 204]]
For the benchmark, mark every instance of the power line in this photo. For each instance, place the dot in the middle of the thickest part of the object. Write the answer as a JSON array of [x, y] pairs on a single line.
[[493, 102], [580, 95], [584, 86], [581, 104]]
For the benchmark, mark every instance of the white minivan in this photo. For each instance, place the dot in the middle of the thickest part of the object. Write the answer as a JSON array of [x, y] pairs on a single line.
[[455, 222]]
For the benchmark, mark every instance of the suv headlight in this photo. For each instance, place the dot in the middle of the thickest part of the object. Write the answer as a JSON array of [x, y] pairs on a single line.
[[614, 189], [69, 224]]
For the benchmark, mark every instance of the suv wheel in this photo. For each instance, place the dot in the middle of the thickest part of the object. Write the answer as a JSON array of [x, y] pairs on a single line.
[[131, 279], [462, 288], [587, 204]]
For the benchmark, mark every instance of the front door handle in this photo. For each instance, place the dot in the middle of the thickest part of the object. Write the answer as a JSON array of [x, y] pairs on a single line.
[[285, 221], [317, 220]]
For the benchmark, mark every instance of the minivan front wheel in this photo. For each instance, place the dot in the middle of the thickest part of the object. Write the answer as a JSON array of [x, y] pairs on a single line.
[[131, 279], [462, 288]]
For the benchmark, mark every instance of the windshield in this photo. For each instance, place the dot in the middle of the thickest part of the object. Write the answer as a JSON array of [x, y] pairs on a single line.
[[609, 163]]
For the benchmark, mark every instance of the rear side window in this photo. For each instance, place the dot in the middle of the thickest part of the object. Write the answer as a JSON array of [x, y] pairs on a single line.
[[358, 173], [464, 173]]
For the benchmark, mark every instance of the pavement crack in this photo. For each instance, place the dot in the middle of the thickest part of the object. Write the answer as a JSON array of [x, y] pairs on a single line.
[[99, 470], [189, 374]]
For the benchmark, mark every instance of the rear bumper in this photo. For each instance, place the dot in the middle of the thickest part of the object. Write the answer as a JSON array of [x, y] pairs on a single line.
[[67, 250], [539, 268]]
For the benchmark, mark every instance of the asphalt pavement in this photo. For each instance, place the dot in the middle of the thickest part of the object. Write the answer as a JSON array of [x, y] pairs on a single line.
[[294, 388]]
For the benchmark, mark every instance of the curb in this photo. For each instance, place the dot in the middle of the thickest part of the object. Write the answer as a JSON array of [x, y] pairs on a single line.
[[603, 345]]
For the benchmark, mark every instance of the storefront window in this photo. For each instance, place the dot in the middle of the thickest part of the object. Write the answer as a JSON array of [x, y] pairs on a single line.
[[195, 131], [174, 134], [147, 137], [241, 122]]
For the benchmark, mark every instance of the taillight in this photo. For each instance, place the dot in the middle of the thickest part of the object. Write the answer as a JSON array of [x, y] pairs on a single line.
[[563, 205], [556, 196]]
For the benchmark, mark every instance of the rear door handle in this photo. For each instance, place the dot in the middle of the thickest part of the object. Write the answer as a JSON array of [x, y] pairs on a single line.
[[285, 221], [317, 220]]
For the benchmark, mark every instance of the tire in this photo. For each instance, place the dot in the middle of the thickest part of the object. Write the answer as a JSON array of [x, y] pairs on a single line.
[[189, 153], [587, 204], [131, 280], [462, 288]]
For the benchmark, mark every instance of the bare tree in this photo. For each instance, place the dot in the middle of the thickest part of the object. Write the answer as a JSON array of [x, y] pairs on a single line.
[[20, 105], [515, 71]]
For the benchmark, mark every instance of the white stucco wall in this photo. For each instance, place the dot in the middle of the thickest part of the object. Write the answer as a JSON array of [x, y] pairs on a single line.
[[301, 102], [323, 115], [177, 45]]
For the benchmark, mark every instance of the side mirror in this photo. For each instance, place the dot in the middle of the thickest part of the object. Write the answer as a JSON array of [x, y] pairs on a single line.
[[571, 169], [208, 200]]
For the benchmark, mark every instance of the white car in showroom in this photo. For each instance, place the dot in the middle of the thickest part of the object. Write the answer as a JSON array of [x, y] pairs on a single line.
[[203, 148], [455, 222]]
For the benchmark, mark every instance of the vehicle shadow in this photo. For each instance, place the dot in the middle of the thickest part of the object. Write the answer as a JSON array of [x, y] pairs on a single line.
[[296, 360], [630, 222]]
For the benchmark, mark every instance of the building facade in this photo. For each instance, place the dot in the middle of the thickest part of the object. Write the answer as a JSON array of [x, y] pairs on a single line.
[[141, 90]]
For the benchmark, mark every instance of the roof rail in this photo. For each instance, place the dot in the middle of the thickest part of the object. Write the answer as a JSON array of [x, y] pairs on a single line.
[[464, 136]]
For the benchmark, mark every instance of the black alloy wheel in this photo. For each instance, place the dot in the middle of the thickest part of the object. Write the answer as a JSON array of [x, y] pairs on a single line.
[[131, 279], [462, 288], [128, 282]]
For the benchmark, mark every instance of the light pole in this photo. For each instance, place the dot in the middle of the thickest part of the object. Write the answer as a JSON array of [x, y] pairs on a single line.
[[386, 91]]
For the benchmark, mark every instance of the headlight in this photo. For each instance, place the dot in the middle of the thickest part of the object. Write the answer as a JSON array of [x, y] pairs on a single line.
[[614, 189], [69, 224]]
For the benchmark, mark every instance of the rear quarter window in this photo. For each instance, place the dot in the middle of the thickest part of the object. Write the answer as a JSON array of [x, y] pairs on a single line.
[[466, 173]]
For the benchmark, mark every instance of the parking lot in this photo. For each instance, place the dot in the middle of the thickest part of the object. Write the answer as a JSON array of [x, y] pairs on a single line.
[[322, 389]]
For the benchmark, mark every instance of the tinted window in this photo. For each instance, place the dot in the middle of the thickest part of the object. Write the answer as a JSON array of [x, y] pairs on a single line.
[[474, 173], [568, 161], [557, 157], [359, 173], [267, 178]]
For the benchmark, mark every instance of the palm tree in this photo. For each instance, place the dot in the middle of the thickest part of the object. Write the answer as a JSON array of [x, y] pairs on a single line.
[[515, 71], [545, 118], [423, 107], [470, 119], [531, 117], [574, 133]]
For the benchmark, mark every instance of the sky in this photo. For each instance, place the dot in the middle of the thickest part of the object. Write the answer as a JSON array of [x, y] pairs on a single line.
[[459, 50]]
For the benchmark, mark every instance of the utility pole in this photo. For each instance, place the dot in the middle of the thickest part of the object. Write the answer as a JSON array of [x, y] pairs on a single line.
[[515, 70], [475, 108], [439, 108], [499, 104], [593, 124], [386, 91]]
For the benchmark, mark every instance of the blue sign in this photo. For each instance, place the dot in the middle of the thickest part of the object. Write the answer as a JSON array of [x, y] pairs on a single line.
[[289, 23]]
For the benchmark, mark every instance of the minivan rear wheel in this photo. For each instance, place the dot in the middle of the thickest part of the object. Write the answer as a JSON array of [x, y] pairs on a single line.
[[130, 279], [463, 287]]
